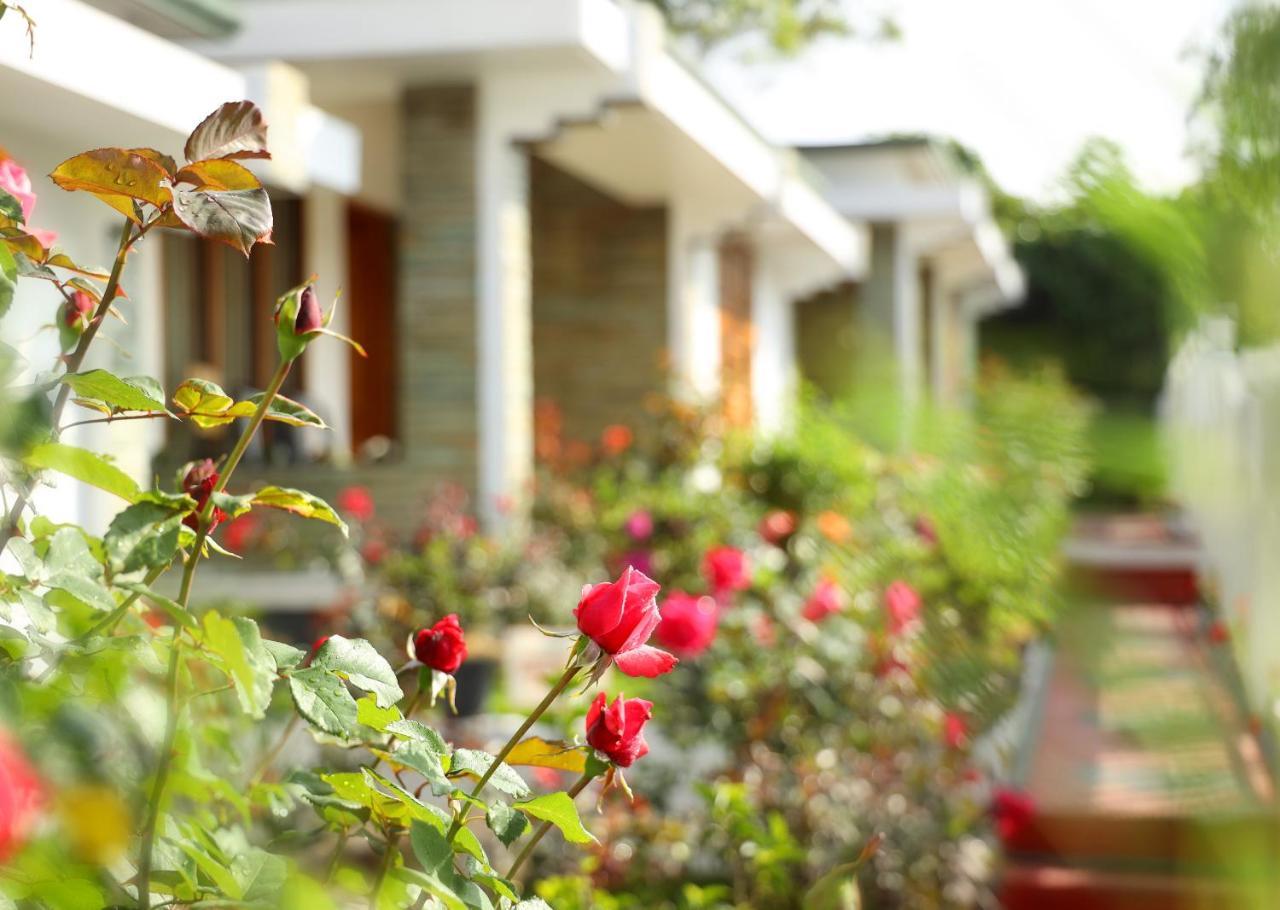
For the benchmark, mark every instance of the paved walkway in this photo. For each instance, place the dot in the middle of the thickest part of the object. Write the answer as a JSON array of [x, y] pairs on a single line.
[[1149, 785]]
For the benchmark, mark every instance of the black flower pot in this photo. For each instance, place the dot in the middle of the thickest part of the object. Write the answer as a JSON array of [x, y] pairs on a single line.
[[475, 681]]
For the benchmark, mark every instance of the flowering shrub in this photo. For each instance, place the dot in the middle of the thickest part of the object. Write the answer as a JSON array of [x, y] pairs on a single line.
[[148, 772]]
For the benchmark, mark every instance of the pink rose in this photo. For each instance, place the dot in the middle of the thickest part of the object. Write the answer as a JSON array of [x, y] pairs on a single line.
[[725, 569], [619, 617], [827, 598], [15, 181], [688, 625], [902, 604], [617, 730]]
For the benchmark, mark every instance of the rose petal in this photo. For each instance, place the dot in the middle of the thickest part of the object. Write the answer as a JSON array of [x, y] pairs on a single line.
[[645, 661]]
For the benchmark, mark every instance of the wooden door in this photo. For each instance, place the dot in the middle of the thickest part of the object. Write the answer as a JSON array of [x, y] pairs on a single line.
[[371, 298]]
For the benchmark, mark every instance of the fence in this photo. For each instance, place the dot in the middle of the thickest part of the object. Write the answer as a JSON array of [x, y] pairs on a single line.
[[1221, 414]]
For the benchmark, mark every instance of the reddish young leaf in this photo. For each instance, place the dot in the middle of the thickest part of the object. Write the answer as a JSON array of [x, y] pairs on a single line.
[[234, 130], [116, 176]]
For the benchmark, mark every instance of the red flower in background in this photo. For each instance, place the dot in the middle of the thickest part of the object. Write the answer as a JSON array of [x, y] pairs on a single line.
[[639, 525], [198, 483], [617, 730], [21, 796], [955, 731], [640, 560], [1219, 634], [315, 649], [357, 502], [441, 647], [827, 598], [1013, 811], [726, 570], [688, 624], [902, 604], [619, 617], [777, 527], [239, 531], [616, 439], [926, 530]]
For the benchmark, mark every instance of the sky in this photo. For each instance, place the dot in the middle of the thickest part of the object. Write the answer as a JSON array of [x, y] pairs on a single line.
[[1023, 82]]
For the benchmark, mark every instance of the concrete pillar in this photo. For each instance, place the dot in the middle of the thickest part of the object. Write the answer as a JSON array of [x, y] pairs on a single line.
[[693, 303], [891, 313], [327, 376], [503, 301], [773, 368]]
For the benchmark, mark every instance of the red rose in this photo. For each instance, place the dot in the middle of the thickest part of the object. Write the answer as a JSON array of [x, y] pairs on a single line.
[[725, 569], [441, 647], [827, 598], [777, 526], [315, 649], [357, 502], [1013, 812], [902, 603], [21, 796], [688, 624], [1219, 634], [955, 732], [617, 730], [619, 617], [199, 482]]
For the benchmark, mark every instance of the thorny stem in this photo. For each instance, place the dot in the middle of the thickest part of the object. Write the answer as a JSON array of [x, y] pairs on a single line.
[[184, 596], [74, 360], [538, 835], [460, 812]]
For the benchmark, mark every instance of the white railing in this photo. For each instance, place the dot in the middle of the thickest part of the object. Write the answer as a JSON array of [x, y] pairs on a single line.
[[1221, 415]]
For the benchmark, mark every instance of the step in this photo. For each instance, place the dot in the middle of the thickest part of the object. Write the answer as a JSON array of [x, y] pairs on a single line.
[[1053, 887]]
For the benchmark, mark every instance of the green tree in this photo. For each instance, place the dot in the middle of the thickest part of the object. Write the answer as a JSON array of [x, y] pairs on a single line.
[[789, 26]]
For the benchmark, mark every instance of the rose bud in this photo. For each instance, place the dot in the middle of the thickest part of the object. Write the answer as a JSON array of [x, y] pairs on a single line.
[[619, 617], [441, 647], [617, 730], [827, 598], [902, 604], [21, 797], [309, 318], [725, 569], [198, 483], [955, 732], [78, 309], [688, 624]]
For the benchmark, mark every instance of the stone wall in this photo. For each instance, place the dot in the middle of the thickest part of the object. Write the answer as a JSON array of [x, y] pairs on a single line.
[[599, 303]]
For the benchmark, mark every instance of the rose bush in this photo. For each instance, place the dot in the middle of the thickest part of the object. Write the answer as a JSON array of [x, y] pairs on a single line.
[[143, 741]]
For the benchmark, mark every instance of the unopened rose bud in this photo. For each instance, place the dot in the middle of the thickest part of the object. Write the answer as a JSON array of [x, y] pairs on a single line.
[[309, 318]]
